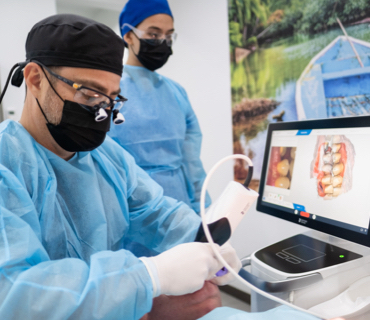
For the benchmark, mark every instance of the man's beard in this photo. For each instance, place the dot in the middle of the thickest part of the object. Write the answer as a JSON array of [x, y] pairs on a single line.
[[53, 108]]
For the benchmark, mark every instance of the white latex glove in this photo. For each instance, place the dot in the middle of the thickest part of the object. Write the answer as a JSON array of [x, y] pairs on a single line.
[[229, 254], [184, 268]]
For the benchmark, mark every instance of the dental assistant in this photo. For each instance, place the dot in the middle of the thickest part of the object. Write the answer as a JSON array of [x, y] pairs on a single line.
[[70, 197], [162, 131]]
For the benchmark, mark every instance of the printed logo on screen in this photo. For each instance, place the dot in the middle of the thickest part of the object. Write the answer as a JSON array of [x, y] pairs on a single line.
[[302, 221]]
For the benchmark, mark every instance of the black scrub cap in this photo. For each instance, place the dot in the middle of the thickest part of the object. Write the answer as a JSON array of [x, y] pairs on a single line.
[[72, 41]]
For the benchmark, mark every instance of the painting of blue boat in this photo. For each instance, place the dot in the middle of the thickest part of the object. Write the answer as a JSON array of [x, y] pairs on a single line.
[[336, 82]]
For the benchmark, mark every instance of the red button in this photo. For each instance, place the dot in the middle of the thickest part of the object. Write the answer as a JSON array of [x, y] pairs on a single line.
[[305, 214]]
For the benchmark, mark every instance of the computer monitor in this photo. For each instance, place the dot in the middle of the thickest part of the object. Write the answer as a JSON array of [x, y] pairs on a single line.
[[316, 173]]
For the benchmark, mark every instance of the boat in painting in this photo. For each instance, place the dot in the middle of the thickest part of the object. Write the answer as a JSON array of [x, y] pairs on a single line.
[[334, 84]]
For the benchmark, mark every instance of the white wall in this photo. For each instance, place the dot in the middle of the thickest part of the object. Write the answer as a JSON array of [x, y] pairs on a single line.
[[16, 20], [103, 11], [200, 63]]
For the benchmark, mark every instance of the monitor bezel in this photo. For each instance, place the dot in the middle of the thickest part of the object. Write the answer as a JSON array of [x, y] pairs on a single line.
[[332, 123]]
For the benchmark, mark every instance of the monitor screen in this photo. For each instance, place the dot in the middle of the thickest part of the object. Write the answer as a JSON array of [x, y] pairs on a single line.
[[317, 173]]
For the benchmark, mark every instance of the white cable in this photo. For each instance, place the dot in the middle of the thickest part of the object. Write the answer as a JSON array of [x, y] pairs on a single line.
[[214, 247]]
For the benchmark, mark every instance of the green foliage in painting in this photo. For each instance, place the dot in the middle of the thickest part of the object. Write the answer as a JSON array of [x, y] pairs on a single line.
[[320, 15], [271, 19], [234, 34], [252, 41], [251, 15]]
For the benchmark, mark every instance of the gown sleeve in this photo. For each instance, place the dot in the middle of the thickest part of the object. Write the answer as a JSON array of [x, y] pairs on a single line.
[[192, 165], [156, 221], [114, 285]]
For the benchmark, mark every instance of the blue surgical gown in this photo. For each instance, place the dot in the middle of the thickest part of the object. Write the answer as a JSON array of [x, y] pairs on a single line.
[[63, 226], [162, 133]]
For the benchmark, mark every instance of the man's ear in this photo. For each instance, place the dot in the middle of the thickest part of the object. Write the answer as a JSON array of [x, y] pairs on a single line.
[[33, 76]]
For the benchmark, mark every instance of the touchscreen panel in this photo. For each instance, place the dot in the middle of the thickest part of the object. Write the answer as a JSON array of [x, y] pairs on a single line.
[[321, 176]]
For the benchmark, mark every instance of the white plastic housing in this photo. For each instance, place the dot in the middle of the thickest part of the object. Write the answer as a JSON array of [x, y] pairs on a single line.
[[233, 204]]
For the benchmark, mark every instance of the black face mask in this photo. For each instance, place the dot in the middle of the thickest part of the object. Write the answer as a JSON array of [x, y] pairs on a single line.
[[153, 57], [78, 130]]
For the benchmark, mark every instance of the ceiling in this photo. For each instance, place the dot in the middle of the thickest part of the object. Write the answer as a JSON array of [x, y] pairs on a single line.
[[104, 11], [115, 5]]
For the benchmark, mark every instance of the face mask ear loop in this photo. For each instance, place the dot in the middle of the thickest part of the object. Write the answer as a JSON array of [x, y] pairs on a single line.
[[133, 46], [42, 111], [50, 83]]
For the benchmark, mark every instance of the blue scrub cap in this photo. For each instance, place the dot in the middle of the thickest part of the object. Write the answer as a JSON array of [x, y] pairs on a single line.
[[135, 11]]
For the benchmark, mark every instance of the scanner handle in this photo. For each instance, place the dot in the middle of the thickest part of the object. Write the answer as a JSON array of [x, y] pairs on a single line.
[[289, 284]]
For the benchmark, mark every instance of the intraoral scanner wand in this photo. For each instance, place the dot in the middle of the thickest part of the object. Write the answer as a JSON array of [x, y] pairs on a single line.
[[232, 206]]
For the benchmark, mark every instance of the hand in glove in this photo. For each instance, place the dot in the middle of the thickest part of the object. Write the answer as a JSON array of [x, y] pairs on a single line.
[[184, 268], [229, 254]]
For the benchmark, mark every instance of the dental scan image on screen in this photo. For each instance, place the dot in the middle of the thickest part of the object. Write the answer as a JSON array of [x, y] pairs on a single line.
[[321, 174]]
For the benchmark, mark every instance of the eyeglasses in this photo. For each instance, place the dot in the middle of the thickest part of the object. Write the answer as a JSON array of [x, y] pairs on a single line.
[[151, 37], [88, 98]]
